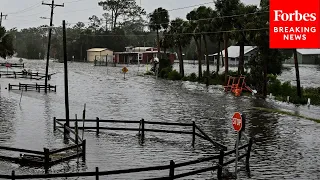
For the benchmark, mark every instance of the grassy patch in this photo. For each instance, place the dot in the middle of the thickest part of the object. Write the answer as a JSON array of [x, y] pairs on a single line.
[[285, 113]]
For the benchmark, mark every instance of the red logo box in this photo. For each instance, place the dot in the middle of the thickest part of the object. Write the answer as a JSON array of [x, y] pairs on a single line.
[[294, 24]]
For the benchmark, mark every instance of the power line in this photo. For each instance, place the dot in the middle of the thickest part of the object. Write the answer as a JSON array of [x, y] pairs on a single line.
[[27, 9], [200, 33]]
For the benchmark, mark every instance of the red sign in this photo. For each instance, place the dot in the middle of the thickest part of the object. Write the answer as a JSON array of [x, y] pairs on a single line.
[[294, 24], [8, 65], [237, 121]]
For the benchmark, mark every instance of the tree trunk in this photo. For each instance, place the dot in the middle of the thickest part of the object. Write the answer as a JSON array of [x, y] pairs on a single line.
[[241, 58], [207, 59], [226, 67], [199, 58], [297, 72], [158, 44], [218, 59], [181, 61]]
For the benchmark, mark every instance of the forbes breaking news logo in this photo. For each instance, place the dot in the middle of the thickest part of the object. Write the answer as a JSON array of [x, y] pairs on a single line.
[[294, 24]]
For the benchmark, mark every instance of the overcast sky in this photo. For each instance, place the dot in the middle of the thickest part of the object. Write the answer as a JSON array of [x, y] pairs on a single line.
[[27, 13]]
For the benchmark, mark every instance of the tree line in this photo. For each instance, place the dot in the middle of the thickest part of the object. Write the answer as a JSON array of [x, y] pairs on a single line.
[[206, 30]]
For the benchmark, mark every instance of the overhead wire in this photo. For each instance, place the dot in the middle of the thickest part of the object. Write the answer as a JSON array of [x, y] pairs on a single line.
[[27, 9]]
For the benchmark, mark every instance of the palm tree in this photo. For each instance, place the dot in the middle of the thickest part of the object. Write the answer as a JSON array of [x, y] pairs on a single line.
[[295, 57], [159, 19], [241, 23], [215, 25], [193, 28], [226, 9], [180, 38], [205, 13]]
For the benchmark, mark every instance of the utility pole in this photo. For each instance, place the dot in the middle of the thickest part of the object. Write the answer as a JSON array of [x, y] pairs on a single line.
[[52, 5], [5, 17]]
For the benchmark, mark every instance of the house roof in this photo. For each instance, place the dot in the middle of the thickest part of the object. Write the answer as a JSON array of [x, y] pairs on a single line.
[[234, 51], [98, 49], [308, 51]]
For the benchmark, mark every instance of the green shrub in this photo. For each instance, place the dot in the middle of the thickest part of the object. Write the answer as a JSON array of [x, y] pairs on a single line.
[[193, 77], [185, 78], [174, 75], [165, 72], [164, 63]]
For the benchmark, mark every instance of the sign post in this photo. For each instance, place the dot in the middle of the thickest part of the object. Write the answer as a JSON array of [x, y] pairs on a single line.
[[237, 126], [124, 70], [8, 65]]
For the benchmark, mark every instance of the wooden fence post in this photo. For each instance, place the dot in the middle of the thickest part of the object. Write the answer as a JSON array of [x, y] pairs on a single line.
[[142, 129], [97, 127], [171, 172], [193, 133], [76, 131], [13, 175], [97, 173], [54, 124], [220, 165], [26, 86], [248, 155], [19, 86], [84, 150], [65, 131], [55, 88], [46, 159]]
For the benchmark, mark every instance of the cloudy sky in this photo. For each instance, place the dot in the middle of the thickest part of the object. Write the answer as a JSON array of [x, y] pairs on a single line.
[[27, 13]]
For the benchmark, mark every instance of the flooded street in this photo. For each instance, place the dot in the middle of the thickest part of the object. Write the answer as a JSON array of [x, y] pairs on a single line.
[[285, 147]]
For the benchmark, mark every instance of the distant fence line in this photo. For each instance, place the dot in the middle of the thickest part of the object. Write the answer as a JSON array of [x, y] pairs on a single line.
[[29, 87]]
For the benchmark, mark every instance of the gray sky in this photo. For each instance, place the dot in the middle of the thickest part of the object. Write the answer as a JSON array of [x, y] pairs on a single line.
[[27, 13]]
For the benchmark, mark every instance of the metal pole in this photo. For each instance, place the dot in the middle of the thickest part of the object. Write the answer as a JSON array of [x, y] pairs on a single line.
[[66, 93], [237, 154], [49, 44]]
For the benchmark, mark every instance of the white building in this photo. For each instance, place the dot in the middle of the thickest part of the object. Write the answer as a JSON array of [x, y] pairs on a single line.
[[99, 54], [234, 54]]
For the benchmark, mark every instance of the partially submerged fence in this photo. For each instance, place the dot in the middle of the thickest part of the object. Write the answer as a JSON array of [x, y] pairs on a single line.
[[172, 167], [32, 87], [47, 157], [97, 125], [12, 65], [25, 75]]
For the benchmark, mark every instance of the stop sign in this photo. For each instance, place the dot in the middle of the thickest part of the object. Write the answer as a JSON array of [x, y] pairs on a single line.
[[237, 121]]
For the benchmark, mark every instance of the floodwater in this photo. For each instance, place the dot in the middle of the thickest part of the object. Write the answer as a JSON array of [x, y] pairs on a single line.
[[285, 147]]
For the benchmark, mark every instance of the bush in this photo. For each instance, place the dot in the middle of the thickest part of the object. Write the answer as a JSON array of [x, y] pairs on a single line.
[[165, 72], [174, 75], [164, 63], [193, 77]]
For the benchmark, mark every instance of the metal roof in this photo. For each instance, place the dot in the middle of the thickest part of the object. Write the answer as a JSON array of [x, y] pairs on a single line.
[[308, 51], [234, 51], [98, 49]]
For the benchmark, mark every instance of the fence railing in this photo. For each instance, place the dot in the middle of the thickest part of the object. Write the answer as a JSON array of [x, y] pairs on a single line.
[[47, 157], [171, 167], [141, 128], [12, 64], [29, 87], [25, 75]]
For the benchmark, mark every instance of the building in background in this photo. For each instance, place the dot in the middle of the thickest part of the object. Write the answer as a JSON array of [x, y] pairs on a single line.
[[306, 56], [100, 55], [234, 54], [142, 55]]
